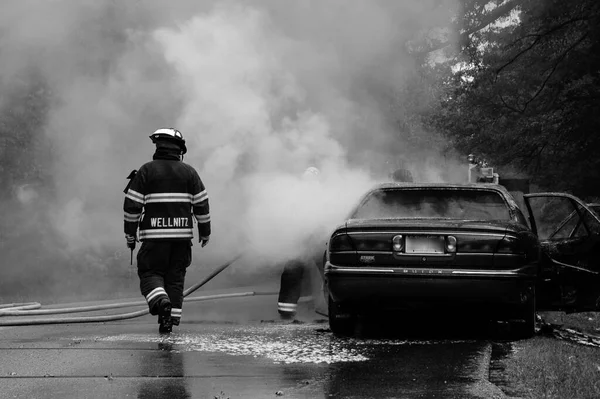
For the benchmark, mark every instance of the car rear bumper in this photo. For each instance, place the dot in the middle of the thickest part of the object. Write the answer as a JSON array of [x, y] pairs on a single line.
[[397, 287]]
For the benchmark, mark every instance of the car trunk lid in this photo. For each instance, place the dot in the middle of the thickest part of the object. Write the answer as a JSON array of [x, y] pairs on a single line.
[[424, 242]]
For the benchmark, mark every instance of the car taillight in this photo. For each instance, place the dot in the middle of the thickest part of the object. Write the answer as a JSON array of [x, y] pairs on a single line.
[[509, 245], [476, 244], [450, 244], [372, 242], [398, 243], [342, 251], [341, 243]]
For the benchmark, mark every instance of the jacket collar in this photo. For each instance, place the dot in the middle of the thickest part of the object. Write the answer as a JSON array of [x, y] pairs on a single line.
[[167, 151], [163, 153]]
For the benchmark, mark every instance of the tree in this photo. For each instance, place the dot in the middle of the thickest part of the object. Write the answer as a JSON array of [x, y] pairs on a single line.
[[527, 95]]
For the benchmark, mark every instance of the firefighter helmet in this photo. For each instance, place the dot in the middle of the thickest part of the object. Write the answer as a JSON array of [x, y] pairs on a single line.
[[311, 173], [169, 134]]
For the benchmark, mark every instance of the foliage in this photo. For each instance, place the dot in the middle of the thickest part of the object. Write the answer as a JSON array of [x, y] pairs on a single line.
[[526, 95], [550, 368]]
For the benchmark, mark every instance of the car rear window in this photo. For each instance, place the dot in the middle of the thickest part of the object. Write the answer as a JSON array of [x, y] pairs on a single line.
[[433, 203]]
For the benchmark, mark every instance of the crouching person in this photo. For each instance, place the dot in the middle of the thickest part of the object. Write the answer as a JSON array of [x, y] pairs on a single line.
[[297, 275], [296, 280]]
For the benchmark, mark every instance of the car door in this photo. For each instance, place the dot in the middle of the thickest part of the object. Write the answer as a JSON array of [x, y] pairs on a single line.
[[569, 234]]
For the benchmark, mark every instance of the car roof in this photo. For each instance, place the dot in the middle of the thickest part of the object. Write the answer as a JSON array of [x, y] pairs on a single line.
[[480, 186], [489, 187]]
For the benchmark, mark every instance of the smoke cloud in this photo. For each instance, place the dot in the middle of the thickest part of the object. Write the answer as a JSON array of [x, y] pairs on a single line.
[[261, 90]]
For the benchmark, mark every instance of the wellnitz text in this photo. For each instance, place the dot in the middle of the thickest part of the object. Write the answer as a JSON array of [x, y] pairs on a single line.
[[169, 222]]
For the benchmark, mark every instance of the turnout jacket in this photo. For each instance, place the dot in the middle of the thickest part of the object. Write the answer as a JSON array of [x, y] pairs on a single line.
[[161, 199]]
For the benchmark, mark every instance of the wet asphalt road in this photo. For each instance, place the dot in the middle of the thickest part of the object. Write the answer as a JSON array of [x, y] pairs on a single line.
[[236, 348]]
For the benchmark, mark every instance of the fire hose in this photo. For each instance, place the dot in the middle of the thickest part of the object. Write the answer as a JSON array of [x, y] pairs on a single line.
[[33, 308]]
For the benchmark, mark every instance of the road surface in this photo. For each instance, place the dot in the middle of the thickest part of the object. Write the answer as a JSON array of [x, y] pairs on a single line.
[[236, 348]]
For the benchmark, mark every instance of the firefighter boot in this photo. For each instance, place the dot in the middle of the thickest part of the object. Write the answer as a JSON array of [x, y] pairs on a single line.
[[164, 316]]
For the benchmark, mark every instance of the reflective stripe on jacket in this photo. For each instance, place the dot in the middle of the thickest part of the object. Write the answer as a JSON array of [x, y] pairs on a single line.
[[162, 200]]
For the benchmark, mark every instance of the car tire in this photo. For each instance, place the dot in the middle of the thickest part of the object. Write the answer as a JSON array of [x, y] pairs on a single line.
[[526, 314], [341, 321]]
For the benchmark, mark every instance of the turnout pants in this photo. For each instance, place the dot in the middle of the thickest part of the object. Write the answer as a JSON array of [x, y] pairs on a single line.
[[293, 283], [161, 268]]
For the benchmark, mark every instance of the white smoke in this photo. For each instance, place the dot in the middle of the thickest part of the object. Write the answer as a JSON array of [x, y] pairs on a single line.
[[253, 134], [261, 90]]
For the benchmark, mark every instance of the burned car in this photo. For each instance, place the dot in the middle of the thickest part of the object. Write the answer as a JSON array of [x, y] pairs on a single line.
[[467, 246], [569, 235]]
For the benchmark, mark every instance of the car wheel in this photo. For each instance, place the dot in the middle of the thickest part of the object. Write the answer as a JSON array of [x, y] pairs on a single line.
[[341, 321], [525, 328]]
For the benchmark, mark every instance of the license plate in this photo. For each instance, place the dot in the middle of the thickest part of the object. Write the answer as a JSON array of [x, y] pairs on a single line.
[[425, 245]]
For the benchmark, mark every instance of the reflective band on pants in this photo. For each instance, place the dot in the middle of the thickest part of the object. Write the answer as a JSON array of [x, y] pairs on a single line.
[[154, 293], [176, 313], [287, 307]]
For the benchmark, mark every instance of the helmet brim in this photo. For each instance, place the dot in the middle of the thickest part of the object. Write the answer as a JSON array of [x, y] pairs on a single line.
[[166, 138]]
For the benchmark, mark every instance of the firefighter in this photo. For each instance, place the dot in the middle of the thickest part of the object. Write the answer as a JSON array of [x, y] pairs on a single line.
[[162, 198], [296, 271]]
